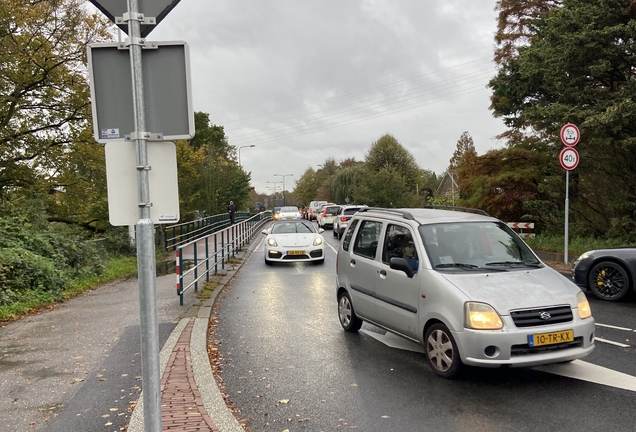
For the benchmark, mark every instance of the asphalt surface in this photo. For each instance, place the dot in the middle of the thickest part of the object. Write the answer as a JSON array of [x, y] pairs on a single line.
[[77, 366], [288, 365]]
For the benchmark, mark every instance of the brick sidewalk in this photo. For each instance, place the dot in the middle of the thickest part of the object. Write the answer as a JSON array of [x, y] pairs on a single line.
[[181, 404]]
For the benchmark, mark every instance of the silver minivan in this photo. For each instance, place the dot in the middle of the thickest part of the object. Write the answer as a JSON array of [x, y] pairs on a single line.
[[463, 285]]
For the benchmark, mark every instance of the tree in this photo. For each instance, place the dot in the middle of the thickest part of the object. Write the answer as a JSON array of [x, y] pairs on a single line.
[[344, 184], [503, 181], [306, 187], [209, 175], [388, 177], [515, 25], [465, 145], [578, 67], [44, 94]]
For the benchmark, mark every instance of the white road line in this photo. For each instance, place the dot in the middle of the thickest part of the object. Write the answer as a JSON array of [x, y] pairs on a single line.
[[614, 327], [577, 369], [589, 372], [611, 342], [331, 247], [394, 341]]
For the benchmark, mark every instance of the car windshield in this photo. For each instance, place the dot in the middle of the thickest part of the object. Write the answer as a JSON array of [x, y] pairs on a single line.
[[301, 227], [476, 245], [332, 210], [289, 210]]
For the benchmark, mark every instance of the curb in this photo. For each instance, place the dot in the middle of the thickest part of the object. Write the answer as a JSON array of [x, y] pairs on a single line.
[[213, 402]]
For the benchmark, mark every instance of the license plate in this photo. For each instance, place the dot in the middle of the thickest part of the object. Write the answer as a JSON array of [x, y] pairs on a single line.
[[299, 252], [551, 338]]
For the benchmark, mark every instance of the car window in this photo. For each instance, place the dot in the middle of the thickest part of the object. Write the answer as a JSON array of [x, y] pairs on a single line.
[[332, 210], [398, 243], [351, 211], [347, 238], [480, 244], [293, 228], [366, 242]]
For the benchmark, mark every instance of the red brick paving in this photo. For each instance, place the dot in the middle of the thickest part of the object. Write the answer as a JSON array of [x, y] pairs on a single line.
[[181, 404]]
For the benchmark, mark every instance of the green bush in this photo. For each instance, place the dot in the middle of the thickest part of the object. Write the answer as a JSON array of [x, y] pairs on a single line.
[[22, 271]]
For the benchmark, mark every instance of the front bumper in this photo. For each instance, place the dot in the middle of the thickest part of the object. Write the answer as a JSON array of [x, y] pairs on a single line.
[[278, 254], [494, 348]]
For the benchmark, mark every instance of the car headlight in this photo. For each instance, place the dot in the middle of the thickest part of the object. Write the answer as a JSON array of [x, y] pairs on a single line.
[[586, 255], [271, 242], [317, 241], [584, 306], [481, 316]]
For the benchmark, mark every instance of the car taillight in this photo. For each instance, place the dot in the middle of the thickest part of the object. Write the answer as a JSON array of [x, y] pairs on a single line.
[[343, 218]]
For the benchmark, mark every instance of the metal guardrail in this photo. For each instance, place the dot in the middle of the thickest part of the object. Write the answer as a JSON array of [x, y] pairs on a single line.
[[218, 248], [179, 234]]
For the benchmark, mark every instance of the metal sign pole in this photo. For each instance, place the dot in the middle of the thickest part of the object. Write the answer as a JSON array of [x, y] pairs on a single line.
[[567, 212], [145, 237]]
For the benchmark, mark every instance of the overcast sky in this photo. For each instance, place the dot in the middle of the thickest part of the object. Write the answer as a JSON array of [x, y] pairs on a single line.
[[305, 80]]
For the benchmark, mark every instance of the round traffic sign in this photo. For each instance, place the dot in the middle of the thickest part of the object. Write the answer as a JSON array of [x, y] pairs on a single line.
[[569, 158], [570, 135]]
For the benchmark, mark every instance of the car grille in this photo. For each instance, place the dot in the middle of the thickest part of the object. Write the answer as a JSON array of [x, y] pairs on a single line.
[[294, 257], [533, 317], [525, 349]]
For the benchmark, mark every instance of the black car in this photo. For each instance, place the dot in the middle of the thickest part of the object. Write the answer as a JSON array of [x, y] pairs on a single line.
[[608, 273]]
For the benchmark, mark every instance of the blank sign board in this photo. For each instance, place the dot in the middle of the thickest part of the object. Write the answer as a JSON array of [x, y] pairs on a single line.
[[166, 91], [121, 178]]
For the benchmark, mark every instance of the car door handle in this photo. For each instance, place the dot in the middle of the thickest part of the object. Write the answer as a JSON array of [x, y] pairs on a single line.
[[353, 262], [382, 272]]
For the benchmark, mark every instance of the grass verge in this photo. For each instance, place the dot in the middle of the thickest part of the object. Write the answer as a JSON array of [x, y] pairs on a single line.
[[114, 268]]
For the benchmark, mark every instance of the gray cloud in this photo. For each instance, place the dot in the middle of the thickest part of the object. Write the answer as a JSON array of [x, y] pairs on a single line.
[[307, 80]]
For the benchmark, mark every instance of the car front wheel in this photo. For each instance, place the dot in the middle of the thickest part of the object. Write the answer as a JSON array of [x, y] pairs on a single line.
[[608, 281], [441, 350], [347, 316]]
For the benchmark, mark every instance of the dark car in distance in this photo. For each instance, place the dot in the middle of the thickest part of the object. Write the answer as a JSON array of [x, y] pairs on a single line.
[[608, 273]]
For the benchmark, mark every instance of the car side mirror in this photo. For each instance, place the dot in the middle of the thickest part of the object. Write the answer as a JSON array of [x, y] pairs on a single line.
[[265, 232], [321, 230], [402, 265]]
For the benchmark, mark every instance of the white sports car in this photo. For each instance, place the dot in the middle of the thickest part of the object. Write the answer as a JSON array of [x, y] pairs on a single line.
[[289, 213], [294, 240]]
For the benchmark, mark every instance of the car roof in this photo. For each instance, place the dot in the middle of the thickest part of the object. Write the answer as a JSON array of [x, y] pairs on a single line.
[[428, 215]]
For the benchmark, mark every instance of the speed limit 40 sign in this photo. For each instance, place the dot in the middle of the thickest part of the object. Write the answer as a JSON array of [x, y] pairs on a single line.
[[569, 158]]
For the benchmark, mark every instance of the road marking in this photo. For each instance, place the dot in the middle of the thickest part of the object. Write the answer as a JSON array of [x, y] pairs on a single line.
[[614, 327], [611, 342], [589, 372], [394, 341], [331, 247], [577, 369]]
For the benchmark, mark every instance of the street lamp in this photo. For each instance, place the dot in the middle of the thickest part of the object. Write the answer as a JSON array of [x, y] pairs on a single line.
[[239, 151], [284, 194]]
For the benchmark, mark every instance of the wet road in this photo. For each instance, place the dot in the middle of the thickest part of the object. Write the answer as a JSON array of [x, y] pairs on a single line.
[[288, 365]]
